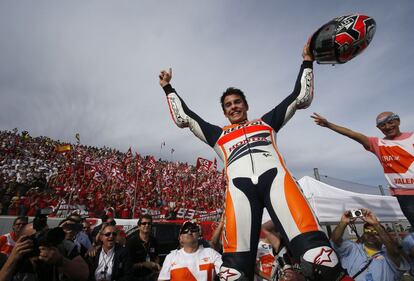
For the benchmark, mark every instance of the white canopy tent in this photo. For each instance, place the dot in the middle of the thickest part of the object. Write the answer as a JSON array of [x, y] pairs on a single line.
[[329, 203]]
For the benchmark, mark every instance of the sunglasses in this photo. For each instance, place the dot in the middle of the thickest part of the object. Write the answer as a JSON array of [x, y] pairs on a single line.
[[145, 223], [370, 231], [190, 229], [108, 234]]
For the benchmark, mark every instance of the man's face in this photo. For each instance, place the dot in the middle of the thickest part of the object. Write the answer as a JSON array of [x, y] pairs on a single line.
[[189, 235], [108, 236], [371, 238], [145, 225], [69, 229], [86, 227], [235, 109], [390, 129], [18, 226]]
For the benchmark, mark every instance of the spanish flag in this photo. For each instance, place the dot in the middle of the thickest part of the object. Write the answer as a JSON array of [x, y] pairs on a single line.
[[63, 148]]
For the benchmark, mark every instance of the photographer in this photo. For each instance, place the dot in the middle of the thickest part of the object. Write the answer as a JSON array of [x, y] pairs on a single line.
[[376, 257], [43, 256]]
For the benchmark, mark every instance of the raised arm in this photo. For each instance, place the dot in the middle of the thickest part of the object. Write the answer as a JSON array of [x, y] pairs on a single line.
[[300, 98], [183, 116], [323, 122], [390, 244], [338, 232]]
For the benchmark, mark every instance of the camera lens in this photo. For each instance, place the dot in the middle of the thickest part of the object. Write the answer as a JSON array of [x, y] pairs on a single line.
[[358, 213]]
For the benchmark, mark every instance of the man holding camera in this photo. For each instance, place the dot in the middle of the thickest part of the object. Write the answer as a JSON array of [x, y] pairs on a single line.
[[43, 256], [376, 257]]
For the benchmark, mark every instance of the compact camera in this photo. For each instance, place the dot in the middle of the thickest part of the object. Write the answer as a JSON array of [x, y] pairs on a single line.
[[356, 213]]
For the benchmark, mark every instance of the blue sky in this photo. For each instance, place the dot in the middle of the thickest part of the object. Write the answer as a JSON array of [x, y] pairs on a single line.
[[91, 67]]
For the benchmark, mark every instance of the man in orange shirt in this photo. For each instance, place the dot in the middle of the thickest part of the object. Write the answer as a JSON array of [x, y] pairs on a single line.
[[395, 153]]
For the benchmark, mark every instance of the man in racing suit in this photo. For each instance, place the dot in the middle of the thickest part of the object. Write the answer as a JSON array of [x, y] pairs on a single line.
[[257, 177]]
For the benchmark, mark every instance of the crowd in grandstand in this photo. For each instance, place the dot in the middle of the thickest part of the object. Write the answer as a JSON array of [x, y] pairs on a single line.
[[38, 172], [73, 251]]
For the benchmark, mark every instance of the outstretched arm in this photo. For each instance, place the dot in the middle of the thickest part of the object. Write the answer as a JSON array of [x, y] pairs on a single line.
[[300, 98], [183, 116], [323, 122]]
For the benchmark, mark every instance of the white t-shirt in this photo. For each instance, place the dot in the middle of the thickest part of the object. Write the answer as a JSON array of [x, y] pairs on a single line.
[[201, 265], [266, 260]]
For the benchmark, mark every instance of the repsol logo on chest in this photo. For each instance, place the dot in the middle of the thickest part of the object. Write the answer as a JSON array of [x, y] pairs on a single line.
[[228, 131], [253, 139]]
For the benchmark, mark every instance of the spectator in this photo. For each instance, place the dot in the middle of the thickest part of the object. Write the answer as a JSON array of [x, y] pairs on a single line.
[[376, 257], [143, 251], [36, 176], [388, 228], [192, 261], [87, 229], [52, 261], [104, 219], [394, 151], [81, 237], [408, 247], [285, 270], [111, 260], [71, 230], [8, 240], [265, 260]]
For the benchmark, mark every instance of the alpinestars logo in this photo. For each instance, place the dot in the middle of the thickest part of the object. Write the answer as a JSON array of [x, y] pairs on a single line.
[[226, 274], [248, 145], [324, 256]]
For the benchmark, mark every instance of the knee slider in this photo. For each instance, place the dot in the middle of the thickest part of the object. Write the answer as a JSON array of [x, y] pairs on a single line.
[[231, 274], [322, 264]]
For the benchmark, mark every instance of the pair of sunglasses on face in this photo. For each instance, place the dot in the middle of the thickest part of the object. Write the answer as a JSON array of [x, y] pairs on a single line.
[[371, 231], [108, 234], [190, 227], [146, 223]]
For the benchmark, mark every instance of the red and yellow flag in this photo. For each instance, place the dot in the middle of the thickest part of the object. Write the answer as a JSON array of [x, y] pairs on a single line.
[[63, 148]]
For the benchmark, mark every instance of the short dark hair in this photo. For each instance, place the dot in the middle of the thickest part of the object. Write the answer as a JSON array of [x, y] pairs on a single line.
[[21, 218], [232, 91], [366, 225], [146, 216], [75, 217], [104, 218]]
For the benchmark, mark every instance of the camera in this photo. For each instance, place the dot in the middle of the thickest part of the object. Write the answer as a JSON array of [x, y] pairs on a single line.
[[48, 237], [356, 213], [40, 219]]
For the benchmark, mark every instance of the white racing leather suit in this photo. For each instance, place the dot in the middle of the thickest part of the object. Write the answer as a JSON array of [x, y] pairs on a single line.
[[257, 177]]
